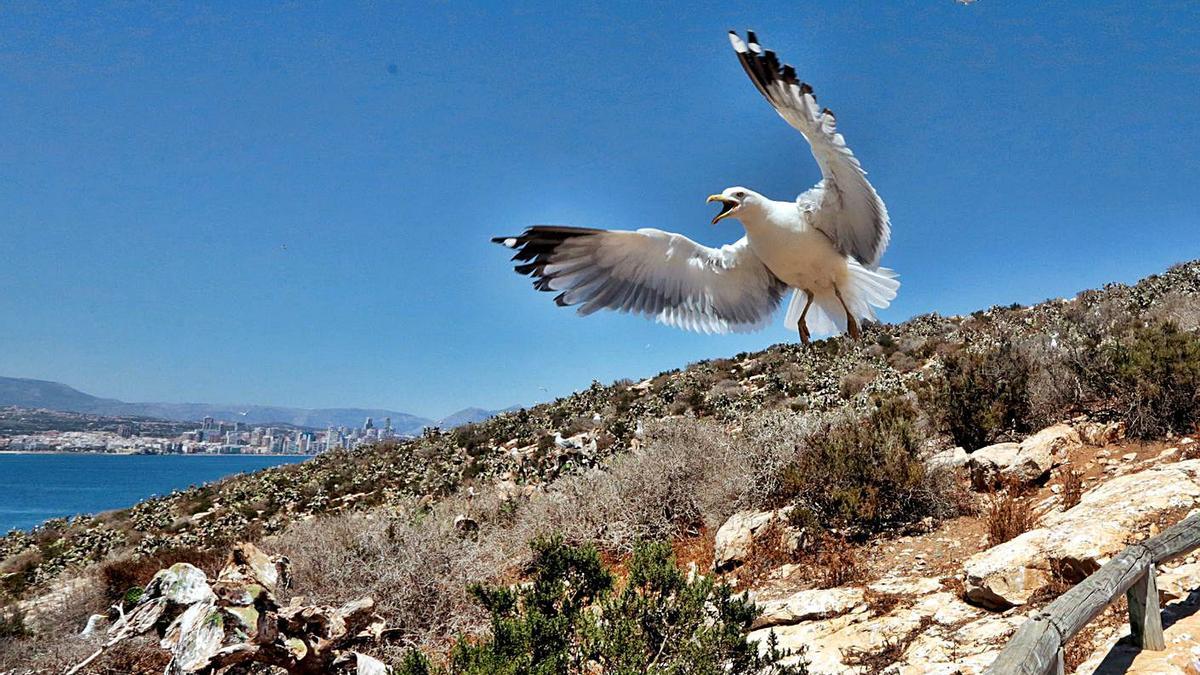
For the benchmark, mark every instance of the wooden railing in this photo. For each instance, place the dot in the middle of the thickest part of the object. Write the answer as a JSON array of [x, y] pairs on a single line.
[[1037, 646]]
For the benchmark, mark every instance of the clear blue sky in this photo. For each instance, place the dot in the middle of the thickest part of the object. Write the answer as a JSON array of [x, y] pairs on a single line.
[[291, 204]]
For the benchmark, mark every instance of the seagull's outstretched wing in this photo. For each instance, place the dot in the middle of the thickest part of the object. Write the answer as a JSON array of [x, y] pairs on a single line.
[[663, 276], [850, 211]]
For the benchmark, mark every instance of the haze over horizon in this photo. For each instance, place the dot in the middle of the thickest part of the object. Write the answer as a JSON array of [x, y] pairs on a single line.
[[291, 205]]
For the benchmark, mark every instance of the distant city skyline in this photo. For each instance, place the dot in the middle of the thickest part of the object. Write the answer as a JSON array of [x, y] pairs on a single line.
[[290, 205]]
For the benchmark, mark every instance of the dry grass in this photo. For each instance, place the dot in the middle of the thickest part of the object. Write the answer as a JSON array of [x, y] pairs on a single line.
[[414, 564], [1072, 482], [1008, 513], [837, 563]]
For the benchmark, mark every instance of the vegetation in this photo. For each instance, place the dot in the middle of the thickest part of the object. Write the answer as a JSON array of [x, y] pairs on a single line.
[[1158, 380], [570, 618], [983, 395], [865, 474], [1008, 514], [839, 432]]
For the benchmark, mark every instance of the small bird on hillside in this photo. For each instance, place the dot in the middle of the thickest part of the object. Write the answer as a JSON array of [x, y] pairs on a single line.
[[826, 244]]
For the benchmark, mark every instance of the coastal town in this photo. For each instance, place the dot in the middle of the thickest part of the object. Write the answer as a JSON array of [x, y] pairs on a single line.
[[210, 437]]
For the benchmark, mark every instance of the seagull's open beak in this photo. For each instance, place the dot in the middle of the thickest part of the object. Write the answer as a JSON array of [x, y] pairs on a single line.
[[728, 204]]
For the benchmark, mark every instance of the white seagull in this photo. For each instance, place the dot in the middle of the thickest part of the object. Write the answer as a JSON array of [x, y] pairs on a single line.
[[826, 244]]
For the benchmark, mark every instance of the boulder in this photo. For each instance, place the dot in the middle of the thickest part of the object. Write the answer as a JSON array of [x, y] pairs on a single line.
[[951, 459], [1025, 462], [735, 540], [1078, 541], [807, 605], [236, 620], [932, 631], [1100, 433]]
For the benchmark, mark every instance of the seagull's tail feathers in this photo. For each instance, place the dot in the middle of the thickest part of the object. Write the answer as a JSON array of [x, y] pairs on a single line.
[[866, 290]]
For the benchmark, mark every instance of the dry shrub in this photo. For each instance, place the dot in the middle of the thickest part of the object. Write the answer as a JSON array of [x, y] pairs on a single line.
[[838, 563], [769, 550], [1072, 482], [1062, 578], [983, 396], [691, 475], [862, 474], [1009, 513], [890, 652], [415, 565], [54, 643], [1158, 380], [854, 382]]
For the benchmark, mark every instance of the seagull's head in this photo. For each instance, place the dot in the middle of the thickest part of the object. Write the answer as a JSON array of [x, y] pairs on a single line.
[[734, 201]]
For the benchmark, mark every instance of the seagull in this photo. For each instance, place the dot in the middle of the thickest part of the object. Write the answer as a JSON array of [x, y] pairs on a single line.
[[824, 246]]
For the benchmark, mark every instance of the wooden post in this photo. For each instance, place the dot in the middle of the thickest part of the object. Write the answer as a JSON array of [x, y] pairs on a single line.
[[1145, 617], [1060, 662]]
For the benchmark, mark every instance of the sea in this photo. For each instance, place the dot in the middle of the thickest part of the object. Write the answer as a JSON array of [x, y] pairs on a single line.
[[36, 487]]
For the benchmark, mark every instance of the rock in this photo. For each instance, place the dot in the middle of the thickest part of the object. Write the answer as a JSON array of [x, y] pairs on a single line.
[[910, 586], [735, 540], [1025, 462], [987, 464], [1100, 433], [194, 637], [179, 584], [1178, 583], [1129, 456], [249, 565], [236, 620], [808, 605], [951, 459], [39, 611], [1078, 541]]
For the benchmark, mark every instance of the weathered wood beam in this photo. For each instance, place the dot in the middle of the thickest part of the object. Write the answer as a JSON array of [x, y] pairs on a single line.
[[1145, 617]]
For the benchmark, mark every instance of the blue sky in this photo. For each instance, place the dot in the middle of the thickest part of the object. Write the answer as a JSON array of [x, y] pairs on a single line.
[[291, 203]]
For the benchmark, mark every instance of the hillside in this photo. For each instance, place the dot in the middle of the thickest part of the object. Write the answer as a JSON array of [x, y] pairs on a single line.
[[27, 393], [853, 451]]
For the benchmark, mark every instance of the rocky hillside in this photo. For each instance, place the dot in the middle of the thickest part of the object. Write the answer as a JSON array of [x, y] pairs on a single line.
[[919, 437]]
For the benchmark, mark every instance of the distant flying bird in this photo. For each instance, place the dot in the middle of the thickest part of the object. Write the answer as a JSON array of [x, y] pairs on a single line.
[[825, 245]]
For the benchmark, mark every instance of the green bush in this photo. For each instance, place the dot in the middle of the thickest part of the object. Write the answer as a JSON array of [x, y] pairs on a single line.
[[982, 396], [570, 619], [863, 474], [1158, 380]]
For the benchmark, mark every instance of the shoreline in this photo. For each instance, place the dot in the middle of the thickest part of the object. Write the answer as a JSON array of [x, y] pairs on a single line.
[[148, 454]]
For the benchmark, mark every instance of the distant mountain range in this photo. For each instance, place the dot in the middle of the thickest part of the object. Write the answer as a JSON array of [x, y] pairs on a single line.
[[57, 396]]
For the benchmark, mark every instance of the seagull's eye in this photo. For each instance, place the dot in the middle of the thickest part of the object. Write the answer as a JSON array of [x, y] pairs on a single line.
[[740, 195]]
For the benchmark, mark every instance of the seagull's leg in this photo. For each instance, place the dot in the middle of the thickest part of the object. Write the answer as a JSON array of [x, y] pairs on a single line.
[[802, 325], [851, 323]]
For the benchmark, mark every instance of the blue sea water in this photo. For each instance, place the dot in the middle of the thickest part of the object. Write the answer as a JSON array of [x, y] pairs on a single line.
[[37, 487]]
